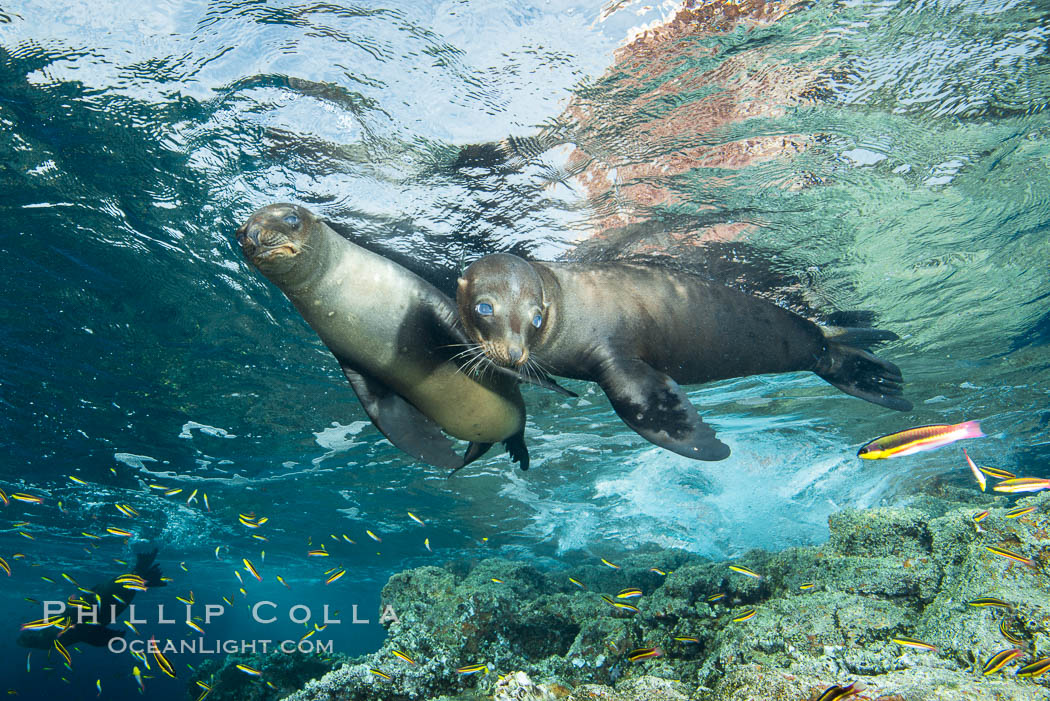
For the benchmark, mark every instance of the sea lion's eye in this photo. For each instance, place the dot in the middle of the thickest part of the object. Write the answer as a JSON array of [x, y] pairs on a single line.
[[537, 320], [292, 220], [484, 308]]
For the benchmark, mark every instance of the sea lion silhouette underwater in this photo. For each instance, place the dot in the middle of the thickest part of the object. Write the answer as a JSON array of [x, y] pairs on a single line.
[[396, 337], [641, 332], [112, 598]]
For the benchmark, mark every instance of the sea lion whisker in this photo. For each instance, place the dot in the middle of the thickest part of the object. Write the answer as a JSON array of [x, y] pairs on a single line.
[[464, 366], [473, 365], [465, 352], [470, 366], [536, 369], [539, 365]]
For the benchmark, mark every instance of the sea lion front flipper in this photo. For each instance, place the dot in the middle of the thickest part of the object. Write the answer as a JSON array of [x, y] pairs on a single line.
[[519, 452], [655, 406], [515, 445], [474, 451], [403, 424]]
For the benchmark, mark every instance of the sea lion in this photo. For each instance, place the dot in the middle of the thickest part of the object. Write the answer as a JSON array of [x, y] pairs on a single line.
[[640, 332], [109, 602], [395, 337]]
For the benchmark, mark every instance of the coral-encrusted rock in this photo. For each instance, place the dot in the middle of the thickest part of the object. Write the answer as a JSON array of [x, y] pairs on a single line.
[[885, 573], [517, 686]]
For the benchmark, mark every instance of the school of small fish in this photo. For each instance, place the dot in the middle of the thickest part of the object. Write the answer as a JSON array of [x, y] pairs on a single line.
[[626, 601]]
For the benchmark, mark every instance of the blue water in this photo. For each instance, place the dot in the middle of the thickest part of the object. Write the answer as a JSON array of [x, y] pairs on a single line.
[[892, 157]]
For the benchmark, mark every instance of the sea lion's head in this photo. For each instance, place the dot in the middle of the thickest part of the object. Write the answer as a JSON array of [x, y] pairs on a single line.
[[275, 238], [501, 304]]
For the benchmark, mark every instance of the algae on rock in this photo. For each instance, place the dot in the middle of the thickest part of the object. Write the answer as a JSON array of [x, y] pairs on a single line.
[[884, 573]]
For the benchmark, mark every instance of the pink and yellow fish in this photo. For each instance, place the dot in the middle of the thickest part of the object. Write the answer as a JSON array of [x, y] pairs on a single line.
[[916, 440]]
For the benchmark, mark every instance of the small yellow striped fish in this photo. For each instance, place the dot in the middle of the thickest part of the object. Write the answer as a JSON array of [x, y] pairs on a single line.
[[990, 601], [1000, 660], [402, 656], [839, 693], [996, 473], [64, 652], [1022, 484], [1003, 552], [1019, 511], [251, 569], [1034, 669], [126, 510], [744, 570], [162, 661], [1004, 628], [977, 474], [913, 643], [250, 671], [746, 615], [644, 653], [620, 604]]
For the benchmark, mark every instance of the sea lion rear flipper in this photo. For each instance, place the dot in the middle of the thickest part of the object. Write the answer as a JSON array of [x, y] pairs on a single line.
[[403, 424], [657, 408], [860, 374]]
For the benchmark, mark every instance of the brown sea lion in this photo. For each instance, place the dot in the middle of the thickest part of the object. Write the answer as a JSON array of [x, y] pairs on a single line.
[[640, 332], [395, 337]]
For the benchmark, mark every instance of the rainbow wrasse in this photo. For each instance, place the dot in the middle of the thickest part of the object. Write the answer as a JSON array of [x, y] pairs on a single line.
[[915, 440]]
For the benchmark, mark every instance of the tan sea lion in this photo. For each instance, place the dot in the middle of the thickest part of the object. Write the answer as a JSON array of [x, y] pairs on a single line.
[[640, 332], [395, 337]]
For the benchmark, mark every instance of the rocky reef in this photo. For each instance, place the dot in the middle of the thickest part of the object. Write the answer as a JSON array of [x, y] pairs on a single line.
[[826, 615]]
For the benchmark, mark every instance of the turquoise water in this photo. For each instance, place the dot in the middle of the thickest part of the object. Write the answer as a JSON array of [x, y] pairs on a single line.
[[879, 156]]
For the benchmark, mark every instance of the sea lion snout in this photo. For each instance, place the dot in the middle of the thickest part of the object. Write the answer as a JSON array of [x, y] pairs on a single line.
[[273, 233], [248, 236]]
